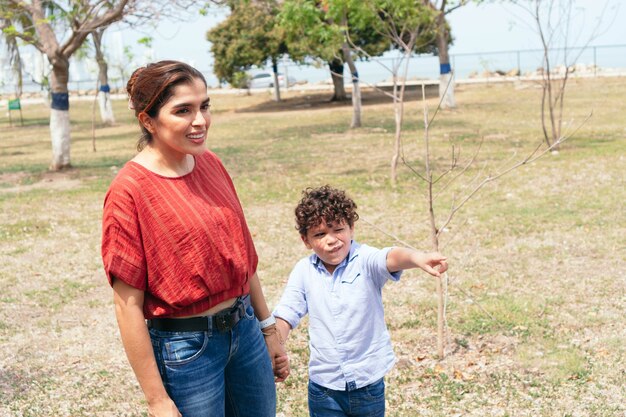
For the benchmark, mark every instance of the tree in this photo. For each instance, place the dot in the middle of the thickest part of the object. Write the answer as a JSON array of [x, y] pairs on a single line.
[[58, 29], [554, 22], [439, 179], [13, 52], [410, 26], [311, 35], [328, 30], [249, 37], [104, 90], [446, 81], [38, 23]]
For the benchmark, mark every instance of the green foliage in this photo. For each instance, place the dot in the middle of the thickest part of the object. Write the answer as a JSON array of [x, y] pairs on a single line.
[[310, 32], [240, 79], [401, 20], [318, 30], [145, 41], [248, 37]]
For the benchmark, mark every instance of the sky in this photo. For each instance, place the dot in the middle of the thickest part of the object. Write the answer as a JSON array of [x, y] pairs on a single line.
[[488, 27], [494, 26]]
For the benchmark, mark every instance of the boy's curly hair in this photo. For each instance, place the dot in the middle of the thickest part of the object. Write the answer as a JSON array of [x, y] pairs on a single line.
[[324, 204]]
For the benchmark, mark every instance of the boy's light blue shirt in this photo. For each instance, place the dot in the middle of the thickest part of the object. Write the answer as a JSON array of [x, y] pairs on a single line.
[[349, 343]]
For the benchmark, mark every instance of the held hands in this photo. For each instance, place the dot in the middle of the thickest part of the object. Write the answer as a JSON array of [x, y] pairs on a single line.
[[276, 350]]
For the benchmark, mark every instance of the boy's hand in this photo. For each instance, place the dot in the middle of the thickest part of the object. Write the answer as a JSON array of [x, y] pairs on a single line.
[[281, 368], [278, 356], [404, 258], [434, 263]]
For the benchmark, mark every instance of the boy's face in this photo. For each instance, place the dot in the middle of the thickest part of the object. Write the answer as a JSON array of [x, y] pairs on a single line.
[[330, 242]]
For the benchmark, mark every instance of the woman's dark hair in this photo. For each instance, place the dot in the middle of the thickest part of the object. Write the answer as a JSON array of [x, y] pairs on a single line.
[[151, 86], [324, 204]]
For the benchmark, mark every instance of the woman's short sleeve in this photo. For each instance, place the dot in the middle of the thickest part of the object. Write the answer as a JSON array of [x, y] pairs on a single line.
[[122, 249]]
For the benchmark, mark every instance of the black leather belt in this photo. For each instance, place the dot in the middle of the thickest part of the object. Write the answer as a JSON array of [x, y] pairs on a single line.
[[223, 320]]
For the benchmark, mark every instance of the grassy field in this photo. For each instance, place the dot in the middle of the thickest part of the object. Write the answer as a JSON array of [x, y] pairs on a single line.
[[537, 294]]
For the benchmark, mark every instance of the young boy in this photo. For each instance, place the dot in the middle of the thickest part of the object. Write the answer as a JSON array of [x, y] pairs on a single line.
[[340, 287]]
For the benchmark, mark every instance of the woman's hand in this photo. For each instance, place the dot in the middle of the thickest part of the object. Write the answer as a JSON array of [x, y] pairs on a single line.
[[163, 408]]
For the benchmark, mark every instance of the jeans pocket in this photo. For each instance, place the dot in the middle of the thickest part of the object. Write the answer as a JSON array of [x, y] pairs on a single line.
[[182, 348], [317, 392], [376, 391]]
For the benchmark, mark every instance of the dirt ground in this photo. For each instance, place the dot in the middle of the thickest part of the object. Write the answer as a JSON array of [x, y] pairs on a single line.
[[536, 304]]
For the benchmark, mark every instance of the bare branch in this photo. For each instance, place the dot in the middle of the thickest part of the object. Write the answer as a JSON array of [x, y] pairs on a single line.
[[463, 170], [529, 159], [404, 161], [387, 233]]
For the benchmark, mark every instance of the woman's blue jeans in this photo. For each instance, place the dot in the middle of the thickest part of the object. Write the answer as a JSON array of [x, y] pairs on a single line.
[[214, 374], [368, 401]]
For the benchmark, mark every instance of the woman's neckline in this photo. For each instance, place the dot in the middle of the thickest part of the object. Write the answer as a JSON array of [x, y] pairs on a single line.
[[173, 177]]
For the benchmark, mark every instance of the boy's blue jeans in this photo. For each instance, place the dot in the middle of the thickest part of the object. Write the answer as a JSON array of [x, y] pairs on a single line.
[[368, 401], [213, 373]]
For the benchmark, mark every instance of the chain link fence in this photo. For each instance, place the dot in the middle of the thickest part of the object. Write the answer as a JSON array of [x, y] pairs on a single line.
[[600, 60]]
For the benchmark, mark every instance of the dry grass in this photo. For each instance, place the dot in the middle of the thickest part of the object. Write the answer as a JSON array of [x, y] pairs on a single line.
[[542, 251]]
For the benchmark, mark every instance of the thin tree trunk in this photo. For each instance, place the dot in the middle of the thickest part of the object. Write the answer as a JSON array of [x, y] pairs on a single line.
[[543, 112], [336, 74], [104, 90], [434, 232], [59, 113], [356, 89], [398, 110]]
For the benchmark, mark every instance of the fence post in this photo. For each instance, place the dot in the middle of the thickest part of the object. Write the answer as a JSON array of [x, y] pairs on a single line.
[[595, 63], [519, 65]]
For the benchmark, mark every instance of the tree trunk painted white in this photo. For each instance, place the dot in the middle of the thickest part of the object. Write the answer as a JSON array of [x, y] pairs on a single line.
[[356, 89], [104, 95], [59, 113], [446, 79], [106, 107], [60, 136], [356, 102], [446, 91]]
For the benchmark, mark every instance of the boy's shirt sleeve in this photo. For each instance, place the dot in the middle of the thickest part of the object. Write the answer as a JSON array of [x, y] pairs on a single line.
[[293, 305], [376, 264]]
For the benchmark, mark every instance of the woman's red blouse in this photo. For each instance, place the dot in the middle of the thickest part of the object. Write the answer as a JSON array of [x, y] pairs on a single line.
[[184, 240]]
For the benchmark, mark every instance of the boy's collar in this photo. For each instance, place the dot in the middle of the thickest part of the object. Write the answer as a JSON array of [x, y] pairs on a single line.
[[354, 252]]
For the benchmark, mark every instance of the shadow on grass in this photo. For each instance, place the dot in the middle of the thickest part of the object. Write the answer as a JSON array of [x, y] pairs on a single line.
[[317, 100], [28, 122]]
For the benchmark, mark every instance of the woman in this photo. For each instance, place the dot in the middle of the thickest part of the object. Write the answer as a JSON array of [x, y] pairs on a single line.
[[178, 253]]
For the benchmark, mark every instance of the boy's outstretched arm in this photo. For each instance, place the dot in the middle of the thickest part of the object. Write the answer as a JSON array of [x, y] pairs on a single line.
[[403, 258]]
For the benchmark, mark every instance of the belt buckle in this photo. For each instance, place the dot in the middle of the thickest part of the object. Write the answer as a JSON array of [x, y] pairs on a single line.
[[227, 319], [223, 322]]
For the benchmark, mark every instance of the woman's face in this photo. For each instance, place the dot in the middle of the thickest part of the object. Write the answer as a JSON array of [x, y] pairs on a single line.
[[182, 123]]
